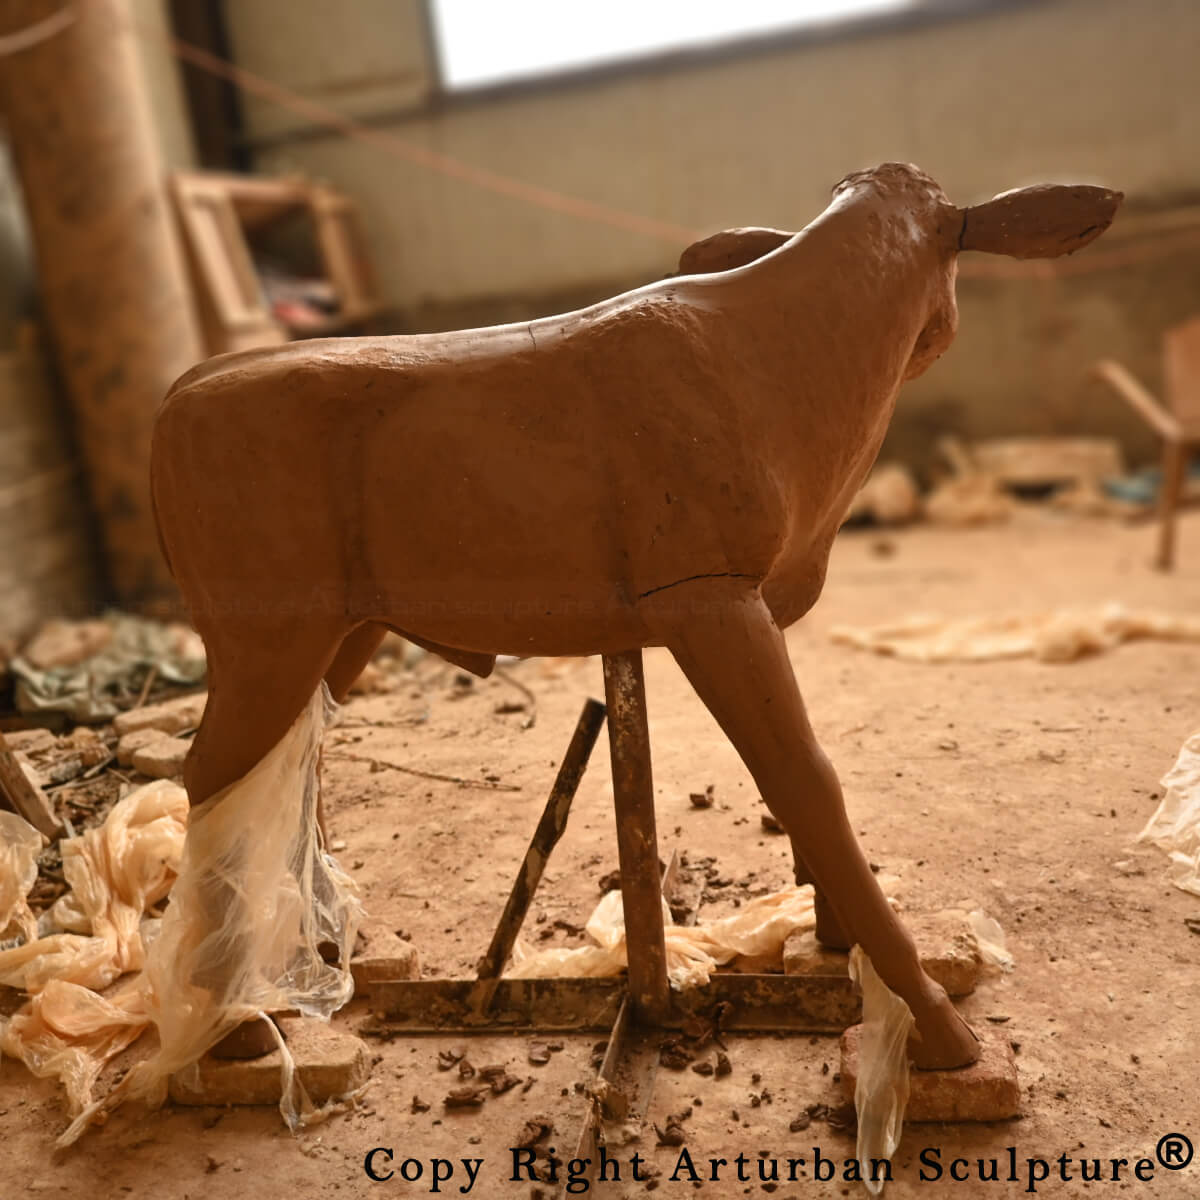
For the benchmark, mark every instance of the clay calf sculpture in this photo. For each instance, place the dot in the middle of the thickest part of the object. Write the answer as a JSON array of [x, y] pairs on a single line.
[[666, 468]]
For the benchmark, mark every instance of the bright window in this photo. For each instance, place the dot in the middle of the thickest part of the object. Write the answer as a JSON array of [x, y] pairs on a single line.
[[493, 41]]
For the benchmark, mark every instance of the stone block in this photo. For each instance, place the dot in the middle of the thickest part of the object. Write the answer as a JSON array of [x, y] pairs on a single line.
[[948, 949], [162, 758], [381, 956], [171, 716], [987, 1090], [329, 1064], [128, 745]]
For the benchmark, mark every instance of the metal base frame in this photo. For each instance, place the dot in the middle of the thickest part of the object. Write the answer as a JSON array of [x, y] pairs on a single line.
[[631, 1011]]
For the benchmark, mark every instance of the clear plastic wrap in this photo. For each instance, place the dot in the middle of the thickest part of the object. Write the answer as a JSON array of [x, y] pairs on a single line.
[[20, 845], [989, 937], [1175, 825], [1062, 635], [758, 928], [881, 1089], [115, 872], [255, 900], [92, 936]]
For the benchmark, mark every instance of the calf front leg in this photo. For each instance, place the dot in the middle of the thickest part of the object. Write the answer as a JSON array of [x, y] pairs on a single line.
[[727, 643]]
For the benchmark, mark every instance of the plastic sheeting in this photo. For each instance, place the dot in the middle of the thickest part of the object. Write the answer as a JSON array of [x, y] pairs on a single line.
[[1063, 635], [20, 845], [253, 899], [1175, 825], [759, 927], [989, 937], [90, 689], [94, 934], [881, 1089]]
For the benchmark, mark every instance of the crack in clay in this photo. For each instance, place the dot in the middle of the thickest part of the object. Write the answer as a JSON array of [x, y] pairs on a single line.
[[691, 579]]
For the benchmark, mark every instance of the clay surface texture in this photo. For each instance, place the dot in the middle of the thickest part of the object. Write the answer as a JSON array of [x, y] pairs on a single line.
[[665, 468]]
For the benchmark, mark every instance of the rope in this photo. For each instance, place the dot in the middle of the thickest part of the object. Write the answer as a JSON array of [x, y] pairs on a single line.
[[444, 164], [38, 32]]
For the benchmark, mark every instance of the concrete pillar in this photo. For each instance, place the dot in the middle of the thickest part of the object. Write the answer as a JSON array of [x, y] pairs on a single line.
[[111, 272]]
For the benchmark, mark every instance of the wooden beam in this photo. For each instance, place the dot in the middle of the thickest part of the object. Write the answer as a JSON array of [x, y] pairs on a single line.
[[1139, 399]]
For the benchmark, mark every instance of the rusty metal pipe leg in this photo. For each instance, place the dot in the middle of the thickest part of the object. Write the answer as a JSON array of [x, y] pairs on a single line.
[[637, 837], [550, 828]]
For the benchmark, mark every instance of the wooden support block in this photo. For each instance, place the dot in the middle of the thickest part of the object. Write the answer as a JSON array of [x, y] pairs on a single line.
[[329, 1064], [987, 1090]]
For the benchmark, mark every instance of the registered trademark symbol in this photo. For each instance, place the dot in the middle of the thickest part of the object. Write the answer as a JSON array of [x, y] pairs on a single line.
[[1174, 1151]]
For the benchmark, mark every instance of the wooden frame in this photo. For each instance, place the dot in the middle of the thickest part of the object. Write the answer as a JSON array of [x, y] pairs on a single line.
[[218, 211], [1177, 423]]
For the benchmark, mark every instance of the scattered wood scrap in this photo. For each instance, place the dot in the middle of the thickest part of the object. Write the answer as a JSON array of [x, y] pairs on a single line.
[[19, 794]]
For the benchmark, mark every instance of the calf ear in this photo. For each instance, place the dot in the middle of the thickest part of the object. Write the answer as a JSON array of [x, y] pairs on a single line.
[[730, 248], [1039, 222]]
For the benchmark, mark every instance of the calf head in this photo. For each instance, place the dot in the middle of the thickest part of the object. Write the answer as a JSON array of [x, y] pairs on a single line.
[[1044, 221]]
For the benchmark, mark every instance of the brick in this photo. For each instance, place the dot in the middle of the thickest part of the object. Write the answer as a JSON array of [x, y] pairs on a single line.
[[162, 758], [948, 949], [804, 955], [170, 716], [329, 1063], [382, 957], [137, 740], [756, 964], [987, 1090]]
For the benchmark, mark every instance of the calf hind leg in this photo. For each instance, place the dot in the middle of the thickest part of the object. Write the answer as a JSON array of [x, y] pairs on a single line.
[[728, 645], [259, 683], [352, 656]]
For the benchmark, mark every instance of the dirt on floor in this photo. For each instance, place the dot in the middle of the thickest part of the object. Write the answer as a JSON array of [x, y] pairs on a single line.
[[1014, 786]]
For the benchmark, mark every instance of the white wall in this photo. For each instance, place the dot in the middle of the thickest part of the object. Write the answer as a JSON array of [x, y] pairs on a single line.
[[1062, 89], [164, 86]]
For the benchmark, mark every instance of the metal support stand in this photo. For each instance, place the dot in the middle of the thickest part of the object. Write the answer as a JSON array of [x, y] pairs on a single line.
[[550, 828], [628, 1011], [637, 835]]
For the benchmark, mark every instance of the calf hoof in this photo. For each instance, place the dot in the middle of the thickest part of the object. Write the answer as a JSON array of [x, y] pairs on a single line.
[[251, 1039], [942, 1040]]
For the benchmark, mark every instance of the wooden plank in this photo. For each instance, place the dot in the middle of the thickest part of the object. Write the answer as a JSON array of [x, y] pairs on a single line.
[[27, 800]]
